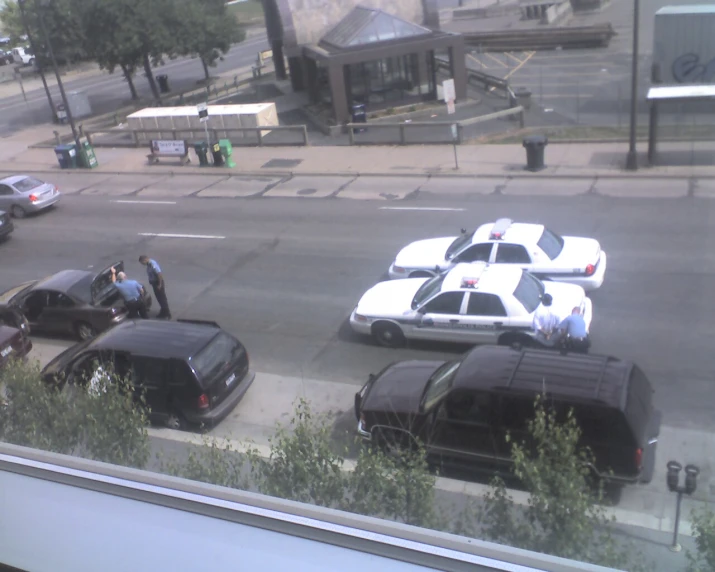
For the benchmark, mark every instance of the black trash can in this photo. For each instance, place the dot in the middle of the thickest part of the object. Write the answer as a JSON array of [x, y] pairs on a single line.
[[66, 156], [218, 156], [534, 146], [359, 115], [202, 152], [163, 81]]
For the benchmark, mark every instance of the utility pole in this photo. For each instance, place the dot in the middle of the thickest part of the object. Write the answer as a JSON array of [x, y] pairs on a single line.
[[38, 63], [632, 157], [38, 5]]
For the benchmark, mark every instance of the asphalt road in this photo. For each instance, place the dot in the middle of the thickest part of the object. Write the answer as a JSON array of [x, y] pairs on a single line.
[[284, 274], [107, 92]]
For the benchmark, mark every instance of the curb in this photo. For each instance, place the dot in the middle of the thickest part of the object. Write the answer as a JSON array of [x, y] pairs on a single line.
[[442, 484]]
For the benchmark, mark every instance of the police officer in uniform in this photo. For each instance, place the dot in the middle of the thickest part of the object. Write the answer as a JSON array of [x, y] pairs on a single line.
[[156, 279], [132, 292]]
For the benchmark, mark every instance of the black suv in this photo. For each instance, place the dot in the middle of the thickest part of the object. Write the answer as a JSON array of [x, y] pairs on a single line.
[[192, 373], [462, 410]]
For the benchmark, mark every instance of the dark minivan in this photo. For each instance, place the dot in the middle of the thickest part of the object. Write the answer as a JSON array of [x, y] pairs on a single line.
[[192, 373], [462, 410]]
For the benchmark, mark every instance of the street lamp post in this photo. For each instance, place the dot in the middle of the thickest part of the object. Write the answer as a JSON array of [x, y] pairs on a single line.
[[632, 157], [38, 63], [70, 119], [673, 480]]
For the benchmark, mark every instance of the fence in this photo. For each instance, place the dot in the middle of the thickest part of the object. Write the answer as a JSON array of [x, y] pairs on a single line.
[[437, 132], [267, 135]]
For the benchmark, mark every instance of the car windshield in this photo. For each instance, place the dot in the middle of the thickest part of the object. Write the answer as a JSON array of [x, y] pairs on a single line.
[[458, 244], [220, 352], [427, 290], [439, 384], [529, 291], [27, 184], [8, 295], [551, 243]]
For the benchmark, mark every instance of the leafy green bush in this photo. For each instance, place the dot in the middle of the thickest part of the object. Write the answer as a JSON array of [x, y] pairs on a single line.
[[703, 523]]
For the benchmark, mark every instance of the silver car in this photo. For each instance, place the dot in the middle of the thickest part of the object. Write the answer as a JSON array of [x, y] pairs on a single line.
[[22, 194]]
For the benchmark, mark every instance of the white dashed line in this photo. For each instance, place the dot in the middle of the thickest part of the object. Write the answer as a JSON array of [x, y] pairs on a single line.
[[162, 235], [145, 202], [420, 209]]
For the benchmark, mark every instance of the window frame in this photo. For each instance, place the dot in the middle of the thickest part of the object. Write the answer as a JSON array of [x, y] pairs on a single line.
[[516, 246]]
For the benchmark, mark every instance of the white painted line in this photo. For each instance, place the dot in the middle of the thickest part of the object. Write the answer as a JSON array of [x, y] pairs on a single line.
[[145, 202], [420, 209], [162, 235]]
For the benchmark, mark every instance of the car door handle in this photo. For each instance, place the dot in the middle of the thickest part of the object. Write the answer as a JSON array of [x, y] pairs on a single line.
[[498, 323], [454, 321]]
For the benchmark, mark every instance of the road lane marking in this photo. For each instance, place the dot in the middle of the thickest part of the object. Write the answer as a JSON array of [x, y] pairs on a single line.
[[163, 235], [145, 202], [521, 65], [501, 63], [512, 56], [420, 209]]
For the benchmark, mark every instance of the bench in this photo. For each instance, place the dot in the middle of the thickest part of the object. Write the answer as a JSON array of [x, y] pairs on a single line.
[[168, 149], [153, 158]]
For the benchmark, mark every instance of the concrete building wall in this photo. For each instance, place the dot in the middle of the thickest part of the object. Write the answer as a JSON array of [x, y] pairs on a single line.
[[313, 18]]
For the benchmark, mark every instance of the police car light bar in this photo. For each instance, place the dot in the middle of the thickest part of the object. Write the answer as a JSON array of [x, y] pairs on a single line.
[[500, 227]]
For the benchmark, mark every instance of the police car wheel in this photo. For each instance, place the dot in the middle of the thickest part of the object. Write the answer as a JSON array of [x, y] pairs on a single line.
[[84, 331], [388, 335]]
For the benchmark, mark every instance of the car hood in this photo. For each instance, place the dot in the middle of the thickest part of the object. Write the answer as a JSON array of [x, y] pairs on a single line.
[[391, 298], [425, 253], [578, 252], [400, 387], [566, 297]]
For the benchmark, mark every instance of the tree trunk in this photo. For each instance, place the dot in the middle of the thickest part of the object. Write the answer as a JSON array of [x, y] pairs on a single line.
[[150, 78], [206, 69], [128, 73]]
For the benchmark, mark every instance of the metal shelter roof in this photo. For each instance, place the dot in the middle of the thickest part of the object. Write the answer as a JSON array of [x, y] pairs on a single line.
[[681, 92], [364, 26]]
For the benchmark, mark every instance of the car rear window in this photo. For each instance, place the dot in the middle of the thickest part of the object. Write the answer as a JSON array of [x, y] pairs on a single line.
[[220, 352], [529, 291], [551, 243], [27, 184]]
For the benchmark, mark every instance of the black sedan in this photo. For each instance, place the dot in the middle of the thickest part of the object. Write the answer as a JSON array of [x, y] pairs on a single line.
[[69, 302]]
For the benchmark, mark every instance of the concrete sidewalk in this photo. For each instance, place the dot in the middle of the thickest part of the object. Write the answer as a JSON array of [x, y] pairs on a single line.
[[563, 160]]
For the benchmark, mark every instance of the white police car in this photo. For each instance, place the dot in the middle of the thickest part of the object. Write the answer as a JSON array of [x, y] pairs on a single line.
[[532, 247], [474, 303]]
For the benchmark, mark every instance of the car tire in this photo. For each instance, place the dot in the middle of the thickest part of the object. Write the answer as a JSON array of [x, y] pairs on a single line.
[[18, 212], [84, 331], [31, 62], [388, 335], [176, 421], [421, 274]]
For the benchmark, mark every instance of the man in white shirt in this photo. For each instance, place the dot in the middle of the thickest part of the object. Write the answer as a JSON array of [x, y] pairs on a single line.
[[545, 322]]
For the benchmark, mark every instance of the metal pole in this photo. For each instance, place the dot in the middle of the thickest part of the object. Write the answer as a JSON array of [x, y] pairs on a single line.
[[632, 157], [675, 547], [57, 73], [456, 162], [619, 106], [578, 103], [541, 85], [38, 63]]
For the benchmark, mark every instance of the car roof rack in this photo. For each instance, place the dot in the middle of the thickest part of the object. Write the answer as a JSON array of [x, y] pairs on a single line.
[[499, 229]]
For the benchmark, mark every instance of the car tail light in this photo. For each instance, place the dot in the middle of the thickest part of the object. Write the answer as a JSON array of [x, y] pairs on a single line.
[[203, 401], [590, 269], [33, 198], [399, 269], [639, 458]]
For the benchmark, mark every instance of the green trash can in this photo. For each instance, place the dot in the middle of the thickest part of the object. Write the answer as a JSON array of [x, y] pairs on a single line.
[[226, 151], [66, 156], [202, 150], [87, 158]]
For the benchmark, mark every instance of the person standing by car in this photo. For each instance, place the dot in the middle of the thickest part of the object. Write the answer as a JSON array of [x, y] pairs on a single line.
[[545, 321], [132, 292], [156, 279], [574, 332]]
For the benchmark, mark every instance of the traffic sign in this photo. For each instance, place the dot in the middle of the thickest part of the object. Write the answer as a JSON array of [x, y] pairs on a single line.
[[203, 110]]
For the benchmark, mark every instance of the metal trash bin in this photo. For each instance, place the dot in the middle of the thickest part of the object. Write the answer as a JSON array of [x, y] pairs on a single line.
[[534, 146], [201, 148], [359, 115], [226, 152], [163, 81], [523, 97], [217, 155], [66, 156], [87, 157]]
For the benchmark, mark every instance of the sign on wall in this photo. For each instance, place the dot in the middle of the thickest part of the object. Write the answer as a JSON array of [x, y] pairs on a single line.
[[169, 147], [449, 93]]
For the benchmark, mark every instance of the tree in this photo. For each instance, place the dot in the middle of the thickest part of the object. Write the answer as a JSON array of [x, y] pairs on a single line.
[[703, 524], [206, 30], [101, 422], [563, 516]]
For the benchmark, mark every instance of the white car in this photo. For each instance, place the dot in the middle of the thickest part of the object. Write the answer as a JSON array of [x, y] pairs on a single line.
[[474, 303], [532, 247]]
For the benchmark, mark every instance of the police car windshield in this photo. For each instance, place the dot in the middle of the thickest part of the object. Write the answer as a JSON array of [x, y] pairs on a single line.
[[551, 243], [439, 384], [427, 290], [529, 291], [458, 244]]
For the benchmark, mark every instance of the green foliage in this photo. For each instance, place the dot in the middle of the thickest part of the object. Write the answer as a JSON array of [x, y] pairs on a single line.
[[563, 516], [101, 423], [703, 524]]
